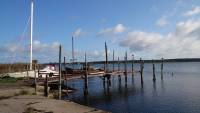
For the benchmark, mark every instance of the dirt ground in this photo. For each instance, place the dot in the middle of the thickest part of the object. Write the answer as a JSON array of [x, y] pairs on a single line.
[[18, 98], [40, 104]]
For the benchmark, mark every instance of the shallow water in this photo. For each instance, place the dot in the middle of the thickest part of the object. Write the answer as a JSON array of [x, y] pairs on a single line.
[[175, 93]]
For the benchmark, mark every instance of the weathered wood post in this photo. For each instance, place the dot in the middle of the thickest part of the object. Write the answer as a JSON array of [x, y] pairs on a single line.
[[65, 75], [154, 76], [125, 68], [73, 58], [64, 63], [27, 69], [113, 65], [106, 66], [35, 79], [86, 77], [106, 63], [141, 69], [46, 86], [132, 65], [162, 69], [113, 60], [119, 76], [38, 70], [60, 68], [118, 64]]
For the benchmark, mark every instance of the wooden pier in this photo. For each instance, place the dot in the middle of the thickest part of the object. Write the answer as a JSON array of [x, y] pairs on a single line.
[[55, 79]]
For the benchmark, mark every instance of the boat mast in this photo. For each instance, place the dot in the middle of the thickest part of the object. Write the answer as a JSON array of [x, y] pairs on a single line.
[[31, 36]]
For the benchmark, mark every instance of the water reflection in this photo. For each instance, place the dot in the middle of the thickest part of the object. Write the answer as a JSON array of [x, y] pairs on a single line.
[[132, 79], [154, 89], [163, 95], [120, 86], [86, 98], [162, 86]]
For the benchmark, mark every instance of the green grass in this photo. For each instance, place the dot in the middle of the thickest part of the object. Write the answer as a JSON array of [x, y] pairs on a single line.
[[7, 79]]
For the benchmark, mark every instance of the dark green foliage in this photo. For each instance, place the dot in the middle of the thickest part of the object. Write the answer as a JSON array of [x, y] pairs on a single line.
[[8, 79]]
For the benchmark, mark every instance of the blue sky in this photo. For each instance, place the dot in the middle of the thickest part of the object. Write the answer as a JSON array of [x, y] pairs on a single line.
[[146, 28]]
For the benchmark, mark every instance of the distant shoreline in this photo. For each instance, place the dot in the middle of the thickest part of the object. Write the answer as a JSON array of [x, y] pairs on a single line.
[[138, 61], [121, 61], [156, 60]]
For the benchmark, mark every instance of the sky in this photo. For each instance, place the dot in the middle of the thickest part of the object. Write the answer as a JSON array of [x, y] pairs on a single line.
[[150, 29]]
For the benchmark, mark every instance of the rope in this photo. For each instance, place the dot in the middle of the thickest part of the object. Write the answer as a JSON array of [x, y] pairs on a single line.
[[21, 39]]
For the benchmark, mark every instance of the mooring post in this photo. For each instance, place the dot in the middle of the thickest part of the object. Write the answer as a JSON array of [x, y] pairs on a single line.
[[113, 60], [118, 64], [141, 69], [106, 63], [113, 70], [86, 78], [35, 80], [65, 75], [162, 69], [73, 58], [132, 65], [27, 68], [126, 68], [119, 76], [38, 70], [46, 86], [154, 76], [64, 63], [60, 68]]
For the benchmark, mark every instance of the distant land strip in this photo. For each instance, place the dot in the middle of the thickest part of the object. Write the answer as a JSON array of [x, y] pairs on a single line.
[[138, 61]]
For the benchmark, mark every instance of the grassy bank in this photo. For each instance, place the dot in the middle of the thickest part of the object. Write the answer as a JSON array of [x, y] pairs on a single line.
[[7, 79]]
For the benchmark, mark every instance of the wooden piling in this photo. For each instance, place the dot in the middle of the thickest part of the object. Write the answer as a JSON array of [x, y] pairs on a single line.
[[35, 79], [38, 70], [154, 76], [132, 65], [113, 60], [86, 77], [46, 86], [162, 69], [64, 63], [141, 69], [27, 69], [73, 58], [125, 68], [106, 63], [118, 64], [65, 75], [60, 68]]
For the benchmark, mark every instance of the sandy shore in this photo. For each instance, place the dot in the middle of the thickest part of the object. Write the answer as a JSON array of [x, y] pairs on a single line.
[[19, 98], [40, 104]]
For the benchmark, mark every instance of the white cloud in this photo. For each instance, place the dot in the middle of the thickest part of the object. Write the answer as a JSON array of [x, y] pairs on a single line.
[[194, 11], [96, 53], [78, 32], [44, 47], [183, 42], [41, 51], [118, 29], [162, 22], [188, 27]]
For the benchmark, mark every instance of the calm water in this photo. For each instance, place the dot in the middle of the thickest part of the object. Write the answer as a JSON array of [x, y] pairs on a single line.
[[177, 93]]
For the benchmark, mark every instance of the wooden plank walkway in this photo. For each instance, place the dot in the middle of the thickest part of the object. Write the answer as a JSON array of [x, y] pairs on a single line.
[[55, 79]]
